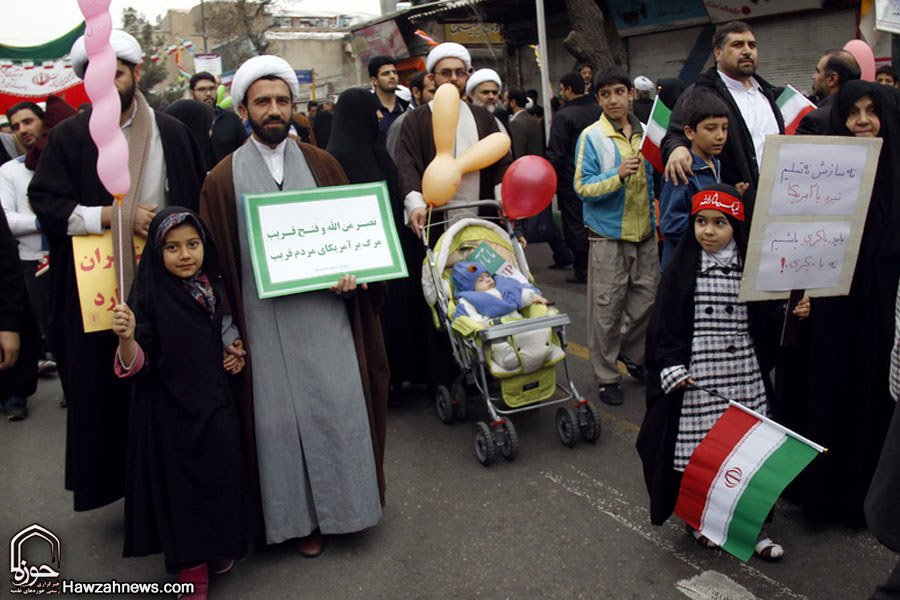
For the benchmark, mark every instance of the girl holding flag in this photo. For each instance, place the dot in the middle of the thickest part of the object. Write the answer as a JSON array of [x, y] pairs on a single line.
[[701, 336]]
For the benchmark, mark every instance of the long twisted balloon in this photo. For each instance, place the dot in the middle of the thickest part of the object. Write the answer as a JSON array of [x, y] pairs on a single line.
[[99, 83]]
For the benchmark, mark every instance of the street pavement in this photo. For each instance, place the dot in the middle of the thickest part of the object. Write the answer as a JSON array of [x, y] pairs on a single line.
[[555, 523]]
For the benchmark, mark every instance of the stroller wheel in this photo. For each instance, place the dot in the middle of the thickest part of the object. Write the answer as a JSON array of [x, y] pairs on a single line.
[[589, 422], [459, 399], [485, 446], [507, 439], [443, 404], [567, 426]]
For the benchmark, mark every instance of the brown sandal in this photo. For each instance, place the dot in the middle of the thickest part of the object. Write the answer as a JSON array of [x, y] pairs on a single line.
[[702, 540]]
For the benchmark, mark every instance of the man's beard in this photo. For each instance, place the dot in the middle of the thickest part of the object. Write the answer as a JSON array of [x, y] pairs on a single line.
[[127, 97], [270, 136]]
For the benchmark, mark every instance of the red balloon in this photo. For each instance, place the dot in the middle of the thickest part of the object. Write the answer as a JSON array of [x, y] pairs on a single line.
[[528, 187]]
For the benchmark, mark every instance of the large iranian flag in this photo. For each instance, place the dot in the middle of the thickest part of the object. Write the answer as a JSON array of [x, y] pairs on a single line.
[[34, 72], [793, 106], [655, 132], [736, 474]]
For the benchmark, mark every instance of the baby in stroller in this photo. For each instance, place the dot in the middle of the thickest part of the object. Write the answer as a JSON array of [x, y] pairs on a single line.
[[490, 300]]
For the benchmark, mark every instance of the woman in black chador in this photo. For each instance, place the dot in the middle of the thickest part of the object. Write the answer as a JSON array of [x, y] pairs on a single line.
[[834, 389]]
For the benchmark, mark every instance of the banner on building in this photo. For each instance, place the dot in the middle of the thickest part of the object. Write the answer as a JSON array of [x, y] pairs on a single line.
[[633, 18], [473, 33], [381, 38], [730, 10], [887, 16], [32, 73]]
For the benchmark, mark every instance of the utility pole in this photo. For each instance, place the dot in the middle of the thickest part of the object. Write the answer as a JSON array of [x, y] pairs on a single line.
[[203, 25]]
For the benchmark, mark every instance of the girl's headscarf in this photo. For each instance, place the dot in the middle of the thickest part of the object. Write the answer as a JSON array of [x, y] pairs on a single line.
[[198, 284]]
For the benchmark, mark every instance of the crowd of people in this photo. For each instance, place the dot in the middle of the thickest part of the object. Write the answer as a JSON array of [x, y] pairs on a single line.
[[220, 435]]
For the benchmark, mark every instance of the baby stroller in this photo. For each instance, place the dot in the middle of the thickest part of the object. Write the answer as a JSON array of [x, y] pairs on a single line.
[[505, 391]]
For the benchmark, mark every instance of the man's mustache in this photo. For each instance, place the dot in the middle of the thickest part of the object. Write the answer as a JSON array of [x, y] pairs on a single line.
[[274, 120]]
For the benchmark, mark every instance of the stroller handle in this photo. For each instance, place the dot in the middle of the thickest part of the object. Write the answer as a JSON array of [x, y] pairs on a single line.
[[491, 203]]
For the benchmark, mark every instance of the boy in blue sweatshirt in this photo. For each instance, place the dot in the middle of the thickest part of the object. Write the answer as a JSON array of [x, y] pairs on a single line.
[[615, 185], [706, 127]]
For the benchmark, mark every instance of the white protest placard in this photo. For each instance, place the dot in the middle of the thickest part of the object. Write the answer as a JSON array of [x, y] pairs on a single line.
[[809, 215], [305, 240]]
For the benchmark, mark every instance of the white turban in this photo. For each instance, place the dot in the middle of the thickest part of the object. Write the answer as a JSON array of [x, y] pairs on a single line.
[[259, 67], [643, 84], [447, 50], [481, 76], [403, 93], [122, 42]]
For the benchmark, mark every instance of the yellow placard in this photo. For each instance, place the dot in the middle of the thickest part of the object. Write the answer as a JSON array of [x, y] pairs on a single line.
[[95, 271]]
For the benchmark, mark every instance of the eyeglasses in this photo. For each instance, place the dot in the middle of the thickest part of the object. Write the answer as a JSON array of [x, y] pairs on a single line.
[[449, 73]]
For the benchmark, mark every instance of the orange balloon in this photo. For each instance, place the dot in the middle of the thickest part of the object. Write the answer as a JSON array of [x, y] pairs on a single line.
[[484, 153], [444, 173]]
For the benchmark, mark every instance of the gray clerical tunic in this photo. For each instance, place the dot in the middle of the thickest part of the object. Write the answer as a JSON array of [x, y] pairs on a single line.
[[314, 448]]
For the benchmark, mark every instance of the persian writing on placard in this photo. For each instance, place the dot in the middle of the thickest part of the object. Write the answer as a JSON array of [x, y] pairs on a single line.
[[802, 255], [95, 274], [306, 240], [817, 180]]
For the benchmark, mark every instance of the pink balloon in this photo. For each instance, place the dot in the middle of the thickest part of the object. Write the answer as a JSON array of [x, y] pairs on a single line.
[[864, 56], [99, 83]]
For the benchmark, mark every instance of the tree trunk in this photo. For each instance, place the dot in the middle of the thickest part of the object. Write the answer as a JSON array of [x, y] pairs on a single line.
[[593, 38]]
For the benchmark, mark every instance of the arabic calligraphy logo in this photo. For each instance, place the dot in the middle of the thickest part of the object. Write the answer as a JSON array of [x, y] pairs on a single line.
[[733, 477], [24, 576], [726, 203]]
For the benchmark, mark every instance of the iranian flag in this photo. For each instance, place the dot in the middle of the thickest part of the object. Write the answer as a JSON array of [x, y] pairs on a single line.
[[793, 106], [20, 80], [736, 474], [654, 133]]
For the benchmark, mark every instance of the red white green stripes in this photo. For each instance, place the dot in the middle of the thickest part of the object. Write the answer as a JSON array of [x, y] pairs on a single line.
[[654, 134], [793, 106], [736, 474]]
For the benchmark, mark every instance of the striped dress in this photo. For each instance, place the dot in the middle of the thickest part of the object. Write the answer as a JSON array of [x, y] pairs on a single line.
[[722, 354]]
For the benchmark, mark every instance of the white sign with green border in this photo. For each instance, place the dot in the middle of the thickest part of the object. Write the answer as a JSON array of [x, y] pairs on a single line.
[[306, 240]]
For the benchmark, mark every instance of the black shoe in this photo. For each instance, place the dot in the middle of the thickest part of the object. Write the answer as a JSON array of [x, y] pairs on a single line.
[[16, 412], [576, 278], [561, 266], [637, 372], [611, 394]]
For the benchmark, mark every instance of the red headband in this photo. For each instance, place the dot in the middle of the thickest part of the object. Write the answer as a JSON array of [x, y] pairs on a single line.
[[716, 200]]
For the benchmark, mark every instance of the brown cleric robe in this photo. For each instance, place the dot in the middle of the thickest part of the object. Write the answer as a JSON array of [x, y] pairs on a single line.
[[217, 208]]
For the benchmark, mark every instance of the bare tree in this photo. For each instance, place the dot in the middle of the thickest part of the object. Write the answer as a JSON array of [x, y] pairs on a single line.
[[593, 38], [242, 21]]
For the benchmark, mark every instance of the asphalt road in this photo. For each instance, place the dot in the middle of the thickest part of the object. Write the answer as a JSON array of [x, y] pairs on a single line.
[[555, 523]]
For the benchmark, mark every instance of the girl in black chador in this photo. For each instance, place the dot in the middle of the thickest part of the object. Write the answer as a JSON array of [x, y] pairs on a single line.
[[186, 493]]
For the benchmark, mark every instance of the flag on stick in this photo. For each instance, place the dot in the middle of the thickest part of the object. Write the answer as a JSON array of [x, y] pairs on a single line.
[[793, 106], [655, 132], [736, 474]]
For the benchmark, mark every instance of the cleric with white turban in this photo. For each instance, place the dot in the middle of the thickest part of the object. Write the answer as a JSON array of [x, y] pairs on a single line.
[[482, 76], [123, 44], [448, 50], [263, 66]]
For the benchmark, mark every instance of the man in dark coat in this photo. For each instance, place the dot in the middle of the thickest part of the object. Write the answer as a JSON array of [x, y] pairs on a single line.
[[528, 139], [67, 196], [753, 113], [834, 69], [227, 133], [18, 336], [579, 111]]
